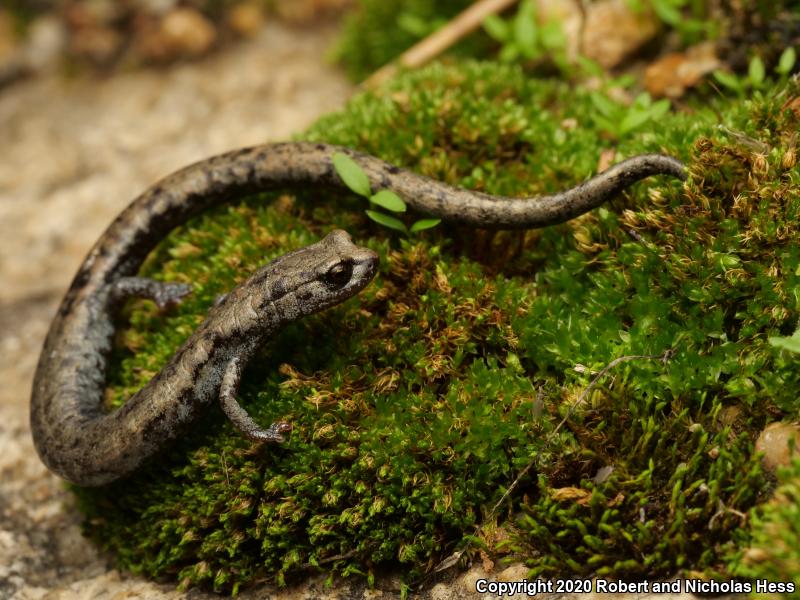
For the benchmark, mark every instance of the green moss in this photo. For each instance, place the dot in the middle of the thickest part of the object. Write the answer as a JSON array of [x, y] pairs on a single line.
[[416, 403], [774, 553]]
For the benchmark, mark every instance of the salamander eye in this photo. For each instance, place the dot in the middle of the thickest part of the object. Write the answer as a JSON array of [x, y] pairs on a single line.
[[339, 274]]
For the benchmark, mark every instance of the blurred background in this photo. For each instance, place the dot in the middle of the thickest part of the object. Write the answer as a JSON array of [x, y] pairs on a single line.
[[101, 35]]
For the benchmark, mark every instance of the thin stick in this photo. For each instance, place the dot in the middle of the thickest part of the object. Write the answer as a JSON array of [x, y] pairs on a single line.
[[430, 47]]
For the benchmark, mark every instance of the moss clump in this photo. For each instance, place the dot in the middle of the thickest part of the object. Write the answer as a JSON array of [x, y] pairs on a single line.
[[417, 403], [774, 553]]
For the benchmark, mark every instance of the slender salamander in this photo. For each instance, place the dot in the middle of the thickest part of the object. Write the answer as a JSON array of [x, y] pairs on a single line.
[[82, 443]]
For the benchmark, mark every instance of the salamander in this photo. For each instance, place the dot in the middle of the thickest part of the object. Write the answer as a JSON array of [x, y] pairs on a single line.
[[82, 443]]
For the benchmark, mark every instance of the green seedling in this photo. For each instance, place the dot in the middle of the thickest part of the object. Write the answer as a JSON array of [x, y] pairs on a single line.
[[620, 120], [356, 179], [756, 78], [524, 39]]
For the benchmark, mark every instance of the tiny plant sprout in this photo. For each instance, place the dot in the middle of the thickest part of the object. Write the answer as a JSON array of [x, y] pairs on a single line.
[[357, 181]]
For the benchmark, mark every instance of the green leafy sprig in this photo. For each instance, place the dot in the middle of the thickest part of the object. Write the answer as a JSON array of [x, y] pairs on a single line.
[[756, 77], [691, 19], [522, 38], [620, 120], [356, 179], [790, 343]]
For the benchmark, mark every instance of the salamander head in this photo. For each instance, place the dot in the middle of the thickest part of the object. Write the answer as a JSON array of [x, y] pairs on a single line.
[[338, 269], [305, 281]]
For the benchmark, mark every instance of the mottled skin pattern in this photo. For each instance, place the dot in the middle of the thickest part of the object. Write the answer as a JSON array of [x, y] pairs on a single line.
[[76, 439]]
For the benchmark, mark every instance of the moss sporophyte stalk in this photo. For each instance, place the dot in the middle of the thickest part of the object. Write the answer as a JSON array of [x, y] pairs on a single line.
[[416, 404]]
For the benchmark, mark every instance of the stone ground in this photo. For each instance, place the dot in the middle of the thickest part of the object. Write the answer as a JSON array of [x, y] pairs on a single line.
[[74, 152]]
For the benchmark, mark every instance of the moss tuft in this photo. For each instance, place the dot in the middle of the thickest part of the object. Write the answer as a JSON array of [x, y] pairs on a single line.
[[773, 553], [416, 403]]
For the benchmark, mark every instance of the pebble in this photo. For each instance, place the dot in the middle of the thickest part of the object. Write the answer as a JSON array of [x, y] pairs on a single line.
[[468, 581], [97, 44], [154, 7], [246, 19], [613, 31], [515, 572], [774, 441], [47, 38], [91, 13], [187, 32], [441, 591]]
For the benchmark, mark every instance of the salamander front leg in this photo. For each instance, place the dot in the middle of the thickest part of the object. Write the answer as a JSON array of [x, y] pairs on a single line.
[[163, 293], [238, 416]]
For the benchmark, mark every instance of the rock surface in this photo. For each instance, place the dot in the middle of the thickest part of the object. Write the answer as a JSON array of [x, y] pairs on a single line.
[[778, 442]]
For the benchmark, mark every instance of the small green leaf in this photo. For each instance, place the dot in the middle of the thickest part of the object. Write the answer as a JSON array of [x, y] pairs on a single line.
[[591, 67], [792, 344], [389, 200], [728, 80], [756, 71], [644, 112], [786, 61], [667, 13], [604, 104], [525, 32], [512, 362], [606, 125], [643, 100], [496, 27], [353, 176], [424, 224], [633, 120], [509, 53], [387, 221], [553, 36], [413, 24], [729, 261], [659, 109]]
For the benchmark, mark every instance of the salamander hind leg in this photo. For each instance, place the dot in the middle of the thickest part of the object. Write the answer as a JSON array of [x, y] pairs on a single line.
[[238, 416], [164, 294]]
